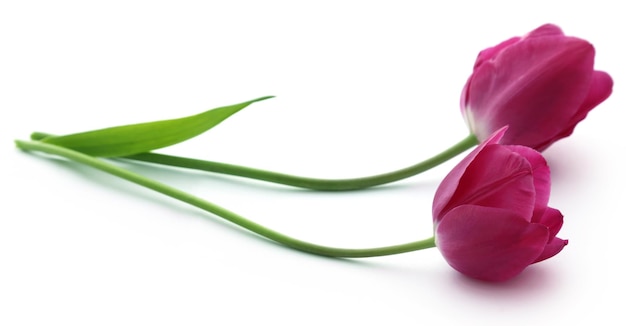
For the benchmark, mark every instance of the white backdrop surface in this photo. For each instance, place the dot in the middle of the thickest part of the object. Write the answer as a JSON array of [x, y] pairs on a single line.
[[361, 87]]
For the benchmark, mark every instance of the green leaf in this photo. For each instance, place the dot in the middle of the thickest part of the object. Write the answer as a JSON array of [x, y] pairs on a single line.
[[144, 137]]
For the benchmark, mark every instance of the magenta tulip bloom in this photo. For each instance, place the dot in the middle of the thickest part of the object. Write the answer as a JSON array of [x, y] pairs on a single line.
[[490, 213], [541, 85]]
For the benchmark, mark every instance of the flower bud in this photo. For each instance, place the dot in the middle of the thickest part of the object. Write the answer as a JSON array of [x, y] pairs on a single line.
[[490, 213], [541, 85]]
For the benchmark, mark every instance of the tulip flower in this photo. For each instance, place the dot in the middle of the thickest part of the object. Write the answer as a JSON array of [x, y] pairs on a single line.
[[541, 85], [490, 212]]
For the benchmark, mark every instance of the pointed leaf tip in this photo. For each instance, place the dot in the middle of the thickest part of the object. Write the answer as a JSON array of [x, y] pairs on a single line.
[[144, 137]]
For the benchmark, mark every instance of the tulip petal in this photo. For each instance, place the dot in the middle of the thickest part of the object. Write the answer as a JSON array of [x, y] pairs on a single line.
[[533, 84], [552, 248], [541, 178], [601, 88], [490, 244], [497, 177], [489, 53], [449, 184], [545, 30], [553, 220]]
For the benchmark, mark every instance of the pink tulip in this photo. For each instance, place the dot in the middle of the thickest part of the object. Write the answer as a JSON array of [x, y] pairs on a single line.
[[490, 213], [540, 85]]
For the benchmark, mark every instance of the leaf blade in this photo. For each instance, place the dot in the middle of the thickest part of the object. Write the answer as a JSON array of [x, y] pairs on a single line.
[[144, 137]]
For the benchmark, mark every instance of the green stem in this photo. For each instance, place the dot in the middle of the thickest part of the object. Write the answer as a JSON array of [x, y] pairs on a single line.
[[305, 182], [298, 181], [219, 211]]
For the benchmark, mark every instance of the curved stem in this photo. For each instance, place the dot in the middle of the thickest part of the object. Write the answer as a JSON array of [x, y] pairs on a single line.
[[299, 181], [220, 211], [305, 182]]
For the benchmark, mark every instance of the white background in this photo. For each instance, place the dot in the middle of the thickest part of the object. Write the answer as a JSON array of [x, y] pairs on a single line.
[[362, 87]]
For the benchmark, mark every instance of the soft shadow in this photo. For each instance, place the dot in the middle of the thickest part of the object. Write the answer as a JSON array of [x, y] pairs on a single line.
[[567, 161], [532, 282]]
